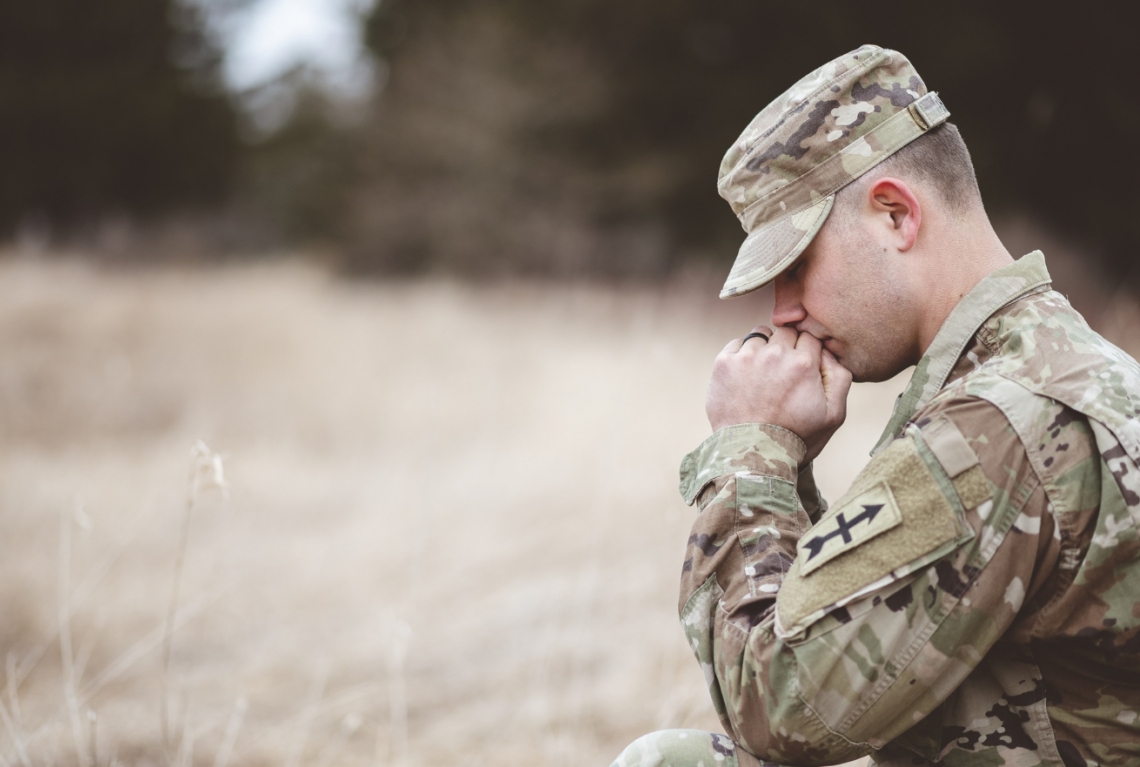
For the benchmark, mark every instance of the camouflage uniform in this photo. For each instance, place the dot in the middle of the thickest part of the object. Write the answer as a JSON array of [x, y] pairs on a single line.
[[974, 597]]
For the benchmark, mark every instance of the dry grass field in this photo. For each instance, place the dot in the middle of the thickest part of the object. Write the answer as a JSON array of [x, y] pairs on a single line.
[[449, 535]]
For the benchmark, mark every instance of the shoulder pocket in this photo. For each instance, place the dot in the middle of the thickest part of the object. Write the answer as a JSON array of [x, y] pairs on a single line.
[[958, 461]]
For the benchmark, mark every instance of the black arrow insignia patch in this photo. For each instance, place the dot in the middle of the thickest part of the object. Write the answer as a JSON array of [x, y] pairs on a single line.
[[852, 522]]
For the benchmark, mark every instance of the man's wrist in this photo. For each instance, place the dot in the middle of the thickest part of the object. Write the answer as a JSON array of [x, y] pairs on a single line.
[[748, 448]]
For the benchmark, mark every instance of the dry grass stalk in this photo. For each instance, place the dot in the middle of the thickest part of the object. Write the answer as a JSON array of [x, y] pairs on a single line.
[[139, 650], [312, 708], [92, 726], [399, 636], [229, 739], [70, 693], [185, 755], [206, 470], [16, 736]]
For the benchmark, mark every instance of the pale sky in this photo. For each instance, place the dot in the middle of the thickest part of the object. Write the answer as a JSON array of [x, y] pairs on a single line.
[[271, 36]]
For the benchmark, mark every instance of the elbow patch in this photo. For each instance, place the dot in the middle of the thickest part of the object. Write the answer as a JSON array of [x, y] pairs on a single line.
[[902, 513]]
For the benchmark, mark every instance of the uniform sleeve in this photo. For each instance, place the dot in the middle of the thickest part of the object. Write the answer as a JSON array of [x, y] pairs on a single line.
[[822, 642]]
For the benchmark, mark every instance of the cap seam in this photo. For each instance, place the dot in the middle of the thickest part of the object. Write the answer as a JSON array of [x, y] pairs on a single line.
[[790, 212], [788, 113]]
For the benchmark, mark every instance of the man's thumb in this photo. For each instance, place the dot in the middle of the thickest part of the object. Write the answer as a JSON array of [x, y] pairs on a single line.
[[836, 382]]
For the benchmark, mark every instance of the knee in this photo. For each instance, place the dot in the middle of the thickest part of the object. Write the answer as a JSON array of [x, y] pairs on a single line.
[[679, 748]]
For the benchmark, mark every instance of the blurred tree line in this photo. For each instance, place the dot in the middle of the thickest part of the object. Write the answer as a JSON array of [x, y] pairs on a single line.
[[570, 136], [109, 107]]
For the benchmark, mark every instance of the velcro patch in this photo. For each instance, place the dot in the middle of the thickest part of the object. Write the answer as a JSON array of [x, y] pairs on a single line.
[[928, 526], [860, 519], [973, 488]]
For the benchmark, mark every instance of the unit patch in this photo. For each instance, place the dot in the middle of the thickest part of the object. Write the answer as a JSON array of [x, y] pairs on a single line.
[[901, 514], [861, 519]]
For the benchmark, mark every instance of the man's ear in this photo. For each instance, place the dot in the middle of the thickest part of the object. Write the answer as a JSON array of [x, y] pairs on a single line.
[[899, 209]]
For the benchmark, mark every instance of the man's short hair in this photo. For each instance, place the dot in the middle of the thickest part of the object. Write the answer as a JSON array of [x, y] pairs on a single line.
[[938, 157]]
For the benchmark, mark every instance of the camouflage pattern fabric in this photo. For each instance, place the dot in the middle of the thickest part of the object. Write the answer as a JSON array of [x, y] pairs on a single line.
[[680, 748], [974, 598], [781, 175]]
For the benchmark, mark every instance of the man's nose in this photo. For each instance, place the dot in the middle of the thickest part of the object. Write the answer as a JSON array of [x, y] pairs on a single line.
[[789, 309]]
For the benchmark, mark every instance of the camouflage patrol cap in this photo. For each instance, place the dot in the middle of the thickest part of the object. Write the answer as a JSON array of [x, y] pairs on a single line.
[[781, 175]]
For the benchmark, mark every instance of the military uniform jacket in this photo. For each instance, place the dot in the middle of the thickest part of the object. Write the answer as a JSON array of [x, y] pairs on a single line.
[[974, 597]]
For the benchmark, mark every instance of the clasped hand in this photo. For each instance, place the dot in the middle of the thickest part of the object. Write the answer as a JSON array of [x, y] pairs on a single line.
[[789, 381]]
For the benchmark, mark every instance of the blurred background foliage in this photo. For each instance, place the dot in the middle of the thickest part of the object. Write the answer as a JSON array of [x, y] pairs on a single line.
[[566, 137], [109, 107]]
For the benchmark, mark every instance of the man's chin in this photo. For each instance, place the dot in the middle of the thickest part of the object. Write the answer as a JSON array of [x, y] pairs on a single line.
[[864, 371]]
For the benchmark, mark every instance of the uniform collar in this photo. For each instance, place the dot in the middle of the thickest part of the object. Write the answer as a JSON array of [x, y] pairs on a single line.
[[992, 293]]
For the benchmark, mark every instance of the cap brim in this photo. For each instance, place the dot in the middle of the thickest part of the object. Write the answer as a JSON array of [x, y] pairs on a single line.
[[770, 250]]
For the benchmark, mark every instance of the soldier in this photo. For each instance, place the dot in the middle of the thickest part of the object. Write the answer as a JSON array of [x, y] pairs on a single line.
[[974, 597]]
